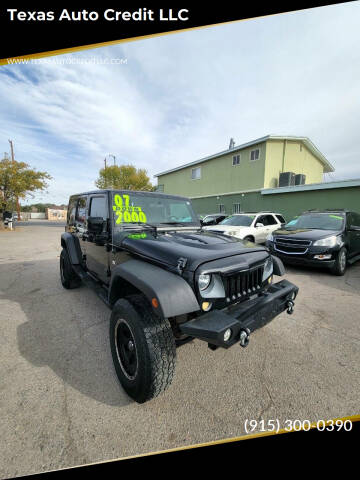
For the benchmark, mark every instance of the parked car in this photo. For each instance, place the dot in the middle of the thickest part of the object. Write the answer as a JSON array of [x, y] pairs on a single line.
[[213, 219], [254, 227], [324, 238], [166, 280]]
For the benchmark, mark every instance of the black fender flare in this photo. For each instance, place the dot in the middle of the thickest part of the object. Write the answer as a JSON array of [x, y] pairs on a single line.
[[72, 246], [279, 268], [173, 294]]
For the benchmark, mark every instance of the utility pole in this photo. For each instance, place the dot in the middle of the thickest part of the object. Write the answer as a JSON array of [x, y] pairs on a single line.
[[13, 160], [111, 155]]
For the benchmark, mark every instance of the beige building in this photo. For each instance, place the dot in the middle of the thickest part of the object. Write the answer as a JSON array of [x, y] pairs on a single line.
[[56, 215]]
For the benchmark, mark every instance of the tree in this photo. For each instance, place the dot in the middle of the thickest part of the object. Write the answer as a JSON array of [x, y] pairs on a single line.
[[17, 180], [124, 177]]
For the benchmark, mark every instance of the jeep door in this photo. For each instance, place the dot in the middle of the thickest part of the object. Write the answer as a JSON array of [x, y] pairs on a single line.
[[76, 220], [97, 255]]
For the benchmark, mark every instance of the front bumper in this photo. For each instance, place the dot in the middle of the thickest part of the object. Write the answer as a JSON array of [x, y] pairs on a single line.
[[307, 258], [246, 316]]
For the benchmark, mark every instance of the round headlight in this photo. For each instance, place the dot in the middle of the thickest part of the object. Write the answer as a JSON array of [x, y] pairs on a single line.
[[268, 269], [203, 281]]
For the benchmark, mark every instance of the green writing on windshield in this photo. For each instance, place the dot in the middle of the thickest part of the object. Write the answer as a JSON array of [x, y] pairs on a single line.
[[126, 213], [336, 216]]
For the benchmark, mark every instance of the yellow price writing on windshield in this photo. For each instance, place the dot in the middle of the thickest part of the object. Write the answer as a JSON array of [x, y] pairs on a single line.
[[125, 212]]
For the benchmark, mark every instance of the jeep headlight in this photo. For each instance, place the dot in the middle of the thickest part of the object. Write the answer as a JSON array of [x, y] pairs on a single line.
[[268, 269], [204, 281], [327, 242], [270, 237]]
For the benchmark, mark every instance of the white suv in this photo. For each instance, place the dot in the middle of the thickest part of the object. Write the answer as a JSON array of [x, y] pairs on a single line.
[[254, 227]]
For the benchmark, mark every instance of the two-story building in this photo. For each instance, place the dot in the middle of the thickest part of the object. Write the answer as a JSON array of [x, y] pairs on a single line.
[[247, 178]]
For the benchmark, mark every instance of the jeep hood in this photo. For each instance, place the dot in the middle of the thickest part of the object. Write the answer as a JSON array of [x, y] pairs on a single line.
[[196, 247]]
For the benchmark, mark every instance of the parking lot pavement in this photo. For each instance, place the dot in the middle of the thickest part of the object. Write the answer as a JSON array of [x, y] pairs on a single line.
[[61, 404]]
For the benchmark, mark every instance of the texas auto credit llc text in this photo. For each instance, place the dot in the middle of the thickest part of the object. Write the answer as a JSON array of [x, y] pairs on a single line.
[[110, 15]]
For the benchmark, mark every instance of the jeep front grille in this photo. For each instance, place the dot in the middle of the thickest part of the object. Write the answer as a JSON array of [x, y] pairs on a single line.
[[242, 284]]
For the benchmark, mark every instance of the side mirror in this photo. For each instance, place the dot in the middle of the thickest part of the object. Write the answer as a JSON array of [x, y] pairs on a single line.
[[95, 224], [259, 225], [201, 223]]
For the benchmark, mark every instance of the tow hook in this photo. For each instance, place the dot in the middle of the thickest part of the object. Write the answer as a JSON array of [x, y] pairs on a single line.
[[244, 337], [290, 307]]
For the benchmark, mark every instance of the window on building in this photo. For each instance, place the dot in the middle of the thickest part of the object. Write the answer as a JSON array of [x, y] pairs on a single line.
[[254, 154], [160, 188], [196, 173], [236, 160], [236, 208], [98, 207], [221, 208]]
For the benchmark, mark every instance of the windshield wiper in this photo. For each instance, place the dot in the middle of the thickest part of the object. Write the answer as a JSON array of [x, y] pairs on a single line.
[[140, 224]]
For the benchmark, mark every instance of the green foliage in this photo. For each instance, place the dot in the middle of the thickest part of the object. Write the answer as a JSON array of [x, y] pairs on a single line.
[[124, 177], [17, 180]]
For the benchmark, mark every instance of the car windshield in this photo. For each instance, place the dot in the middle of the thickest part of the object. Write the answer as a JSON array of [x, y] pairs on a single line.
[[238, 220], [321, 221], [130, 209]]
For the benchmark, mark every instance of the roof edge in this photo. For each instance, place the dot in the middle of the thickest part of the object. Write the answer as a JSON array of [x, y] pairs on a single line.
[[307, 142]]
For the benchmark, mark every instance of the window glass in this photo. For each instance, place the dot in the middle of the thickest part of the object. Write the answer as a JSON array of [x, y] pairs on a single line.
[[98, 207], [236, 160], [236, 208], [134, 208], [254, 154], [72, 211], [81, 210], [355, 219], [322, 221], [269, 220], [280, 218], [196, 173], [221, 208], [238, 220]]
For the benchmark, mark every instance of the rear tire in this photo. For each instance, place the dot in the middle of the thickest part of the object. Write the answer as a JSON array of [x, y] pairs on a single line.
[[68, 277], [339, 267], [142, 347]]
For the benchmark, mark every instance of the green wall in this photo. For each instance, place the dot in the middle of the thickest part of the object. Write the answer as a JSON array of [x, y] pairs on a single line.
[[218, 175], [288, 204]]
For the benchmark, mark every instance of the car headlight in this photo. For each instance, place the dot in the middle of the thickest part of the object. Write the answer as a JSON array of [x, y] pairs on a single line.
[[270, 237], [327, 242], [232, 232], [204, 281], [268, 269]]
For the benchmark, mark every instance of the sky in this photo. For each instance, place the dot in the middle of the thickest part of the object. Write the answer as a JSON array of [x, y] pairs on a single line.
[[162, 102]]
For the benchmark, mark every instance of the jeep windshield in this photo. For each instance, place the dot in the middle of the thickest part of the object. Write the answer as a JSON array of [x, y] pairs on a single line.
[[321, 221], [131, 209], [238, 220]]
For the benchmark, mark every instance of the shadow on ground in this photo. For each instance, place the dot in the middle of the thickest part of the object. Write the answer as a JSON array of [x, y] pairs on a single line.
[[65, 330]]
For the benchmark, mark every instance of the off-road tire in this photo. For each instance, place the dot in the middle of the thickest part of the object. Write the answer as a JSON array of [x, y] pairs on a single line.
[[339, 267], [154, 343], [68, 277]]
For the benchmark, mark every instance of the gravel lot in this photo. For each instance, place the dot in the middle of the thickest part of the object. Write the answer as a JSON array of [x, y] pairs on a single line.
[[61, 404]]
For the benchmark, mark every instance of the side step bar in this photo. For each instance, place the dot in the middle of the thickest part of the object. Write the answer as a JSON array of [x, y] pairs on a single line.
[[92, 283]]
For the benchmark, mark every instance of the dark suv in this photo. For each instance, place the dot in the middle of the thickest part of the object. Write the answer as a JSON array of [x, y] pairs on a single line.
[[325, 238], [166, 280]]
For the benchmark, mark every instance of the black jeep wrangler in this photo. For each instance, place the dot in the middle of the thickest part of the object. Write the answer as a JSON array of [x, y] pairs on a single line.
[[166, 280]]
